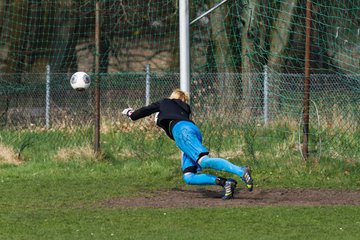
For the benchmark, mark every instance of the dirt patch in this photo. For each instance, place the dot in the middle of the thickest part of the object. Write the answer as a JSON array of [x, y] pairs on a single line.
[[201, 197]]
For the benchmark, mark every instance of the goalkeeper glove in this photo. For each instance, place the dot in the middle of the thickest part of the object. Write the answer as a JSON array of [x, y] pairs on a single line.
[[127, 112]]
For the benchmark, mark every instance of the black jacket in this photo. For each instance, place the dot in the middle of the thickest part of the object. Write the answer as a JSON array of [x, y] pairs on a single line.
[[170, 111]]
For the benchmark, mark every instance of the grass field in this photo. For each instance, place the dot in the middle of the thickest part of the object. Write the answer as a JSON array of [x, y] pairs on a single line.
[[56, 193]]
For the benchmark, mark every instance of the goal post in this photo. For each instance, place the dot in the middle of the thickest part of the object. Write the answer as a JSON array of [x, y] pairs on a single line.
[[184, 48]]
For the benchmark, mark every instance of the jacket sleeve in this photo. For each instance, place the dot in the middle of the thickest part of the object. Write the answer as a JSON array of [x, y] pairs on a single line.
[[145, 111]]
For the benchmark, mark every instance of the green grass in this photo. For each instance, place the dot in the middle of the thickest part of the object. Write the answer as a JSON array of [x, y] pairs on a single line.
[[60, 202], [218, 223], [48, 199]]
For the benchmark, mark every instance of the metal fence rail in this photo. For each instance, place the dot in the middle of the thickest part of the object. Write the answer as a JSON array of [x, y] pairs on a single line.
[[40, 101]]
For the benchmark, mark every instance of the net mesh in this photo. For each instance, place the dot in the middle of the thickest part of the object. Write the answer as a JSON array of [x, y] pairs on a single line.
[[247, 70]]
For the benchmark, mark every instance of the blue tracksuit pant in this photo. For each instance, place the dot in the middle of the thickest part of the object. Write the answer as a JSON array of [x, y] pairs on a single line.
[[188, 138]]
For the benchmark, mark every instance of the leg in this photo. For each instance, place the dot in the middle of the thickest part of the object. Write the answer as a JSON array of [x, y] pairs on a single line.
[[229, 185], [192, 176], [221, 165], [199, 179], [224, 165], [189, 139]]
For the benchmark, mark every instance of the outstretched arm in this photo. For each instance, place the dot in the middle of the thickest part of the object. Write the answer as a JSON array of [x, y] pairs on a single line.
[[142, 112]]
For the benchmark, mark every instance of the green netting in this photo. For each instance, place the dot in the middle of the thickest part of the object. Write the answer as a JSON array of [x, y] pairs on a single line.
[[247, 69]]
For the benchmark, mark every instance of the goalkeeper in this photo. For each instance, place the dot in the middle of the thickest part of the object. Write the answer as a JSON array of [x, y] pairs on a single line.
[[173, 115]]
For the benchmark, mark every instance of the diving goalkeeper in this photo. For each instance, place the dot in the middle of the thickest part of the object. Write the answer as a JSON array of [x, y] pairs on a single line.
[[173, 116]]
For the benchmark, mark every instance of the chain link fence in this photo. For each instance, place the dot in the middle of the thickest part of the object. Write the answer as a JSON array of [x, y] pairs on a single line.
[[268, 110]]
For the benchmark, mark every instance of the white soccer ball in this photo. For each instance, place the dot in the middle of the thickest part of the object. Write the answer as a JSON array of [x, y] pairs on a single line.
[[80, 81]]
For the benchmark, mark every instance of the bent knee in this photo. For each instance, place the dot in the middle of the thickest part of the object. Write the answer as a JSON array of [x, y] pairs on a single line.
[[188, 177], [203, 161]]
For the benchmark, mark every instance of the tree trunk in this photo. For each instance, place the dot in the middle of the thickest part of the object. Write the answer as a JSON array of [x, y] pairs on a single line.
[[223, 58], [38, 51], [65, 38], [343, 38], [279, 39], [2, 14], [251, 65], [15, 62]]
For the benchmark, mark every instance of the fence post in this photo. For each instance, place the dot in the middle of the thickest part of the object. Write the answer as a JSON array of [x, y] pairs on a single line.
[[97, 78], [148, 80], [306, 117], [47, 98], [266, 96]]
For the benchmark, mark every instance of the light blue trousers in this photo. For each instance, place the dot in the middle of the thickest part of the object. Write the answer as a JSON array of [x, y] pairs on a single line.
[[188, 138]]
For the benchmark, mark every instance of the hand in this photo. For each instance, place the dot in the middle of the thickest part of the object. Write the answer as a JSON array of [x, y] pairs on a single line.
[[127, 112]]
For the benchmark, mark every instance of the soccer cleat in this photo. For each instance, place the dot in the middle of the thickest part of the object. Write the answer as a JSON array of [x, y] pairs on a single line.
[[248, 179], [229, 188]]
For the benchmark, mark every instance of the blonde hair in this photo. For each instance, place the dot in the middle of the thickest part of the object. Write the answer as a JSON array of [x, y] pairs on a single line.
[[180, 94]]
